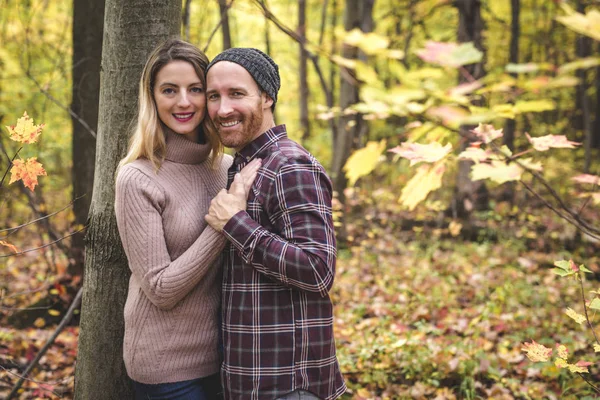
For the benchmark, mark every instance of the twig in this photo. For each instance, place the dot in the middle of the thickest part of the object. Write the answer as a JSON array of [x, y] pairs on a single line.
[[214, 31], [589, 383], [44, 246], [43, 350], [587, 318], [16, 228], [10, 163]]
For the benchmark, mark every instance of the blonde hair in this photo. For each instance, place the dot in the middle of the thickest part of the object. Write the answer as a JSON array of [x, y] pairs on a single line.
[[148, 137]]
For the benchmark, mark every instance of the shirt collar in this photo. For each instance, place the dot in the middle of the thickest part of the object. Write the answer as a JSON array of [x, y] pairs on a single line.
[[255, 148]]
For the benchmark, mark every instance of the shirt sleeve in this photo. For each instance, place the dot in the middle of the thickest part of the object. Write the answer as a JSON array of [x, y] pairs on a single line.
[[138, 205], [300, 250]]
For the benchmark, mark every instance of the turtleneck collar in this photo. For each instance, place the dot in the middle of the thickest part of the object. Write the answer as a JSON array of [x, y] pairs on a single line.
[[184, 151]]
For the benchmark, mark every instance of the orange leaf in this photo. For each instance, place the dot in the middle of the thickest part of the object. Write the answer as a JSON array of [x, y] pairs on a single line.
[[27, 171], [25, 131], [10, 246]]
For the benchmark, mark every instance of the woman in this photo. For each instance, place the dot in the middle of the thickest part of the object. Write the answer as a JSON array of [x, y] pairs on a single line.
[[173, 168]]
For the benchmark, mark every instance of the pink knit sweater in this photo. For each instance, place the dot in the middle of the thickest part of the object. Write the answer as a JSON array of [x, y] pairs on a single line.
[[171, 313]]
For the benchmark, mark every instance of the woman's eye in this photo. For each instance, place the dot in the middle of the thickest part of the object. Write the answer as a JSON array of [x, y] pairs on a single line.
[[197, 90], [168, 91]]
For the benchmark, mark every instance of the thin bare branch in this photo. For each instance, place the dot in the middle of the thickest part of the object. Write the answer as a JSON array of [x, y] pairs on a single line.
[[43, 350], [44, 246], [216, 28]]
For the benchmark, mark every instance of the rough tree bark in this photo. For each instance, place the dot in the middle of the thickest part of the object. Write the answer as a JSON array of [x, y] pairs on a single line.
[[132, 29], [88, 25], [469, 194]]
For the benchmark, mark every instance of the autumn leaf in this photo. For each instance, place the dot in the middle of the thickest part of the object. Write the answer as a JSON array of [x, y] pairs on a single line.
[[417, 153], [521, 107], [580, 367], [582, 63], [487, 133], [587, 178], [562, 351], [595, 304], [596, 348], [537, 352], [575, 315], [25, 131], [12, 247], [497, 171], [474, 154], [522, 68], [426, 180], [586, 24], [450, 54], [551, 141], [561, 363], [27, 171], [370, 43], [363, 161]]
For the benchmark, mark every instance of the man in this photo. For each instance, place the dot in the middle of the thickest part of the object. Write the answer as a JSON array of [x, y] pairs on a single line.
[[280, 261]]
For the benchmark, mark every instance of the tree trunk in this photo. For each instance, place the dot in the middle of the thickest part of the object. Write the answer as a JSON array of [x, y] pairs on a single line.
[[224, 9], [132, 29], [469, 194], [358, 14], [596, 134], [584, 119], [88, 24], [303, 78], [515, 33], [185, 19]]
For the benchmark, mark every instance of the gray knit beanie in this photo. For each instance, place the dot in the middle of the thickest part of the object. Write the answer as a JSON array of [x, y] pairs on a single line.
[[262, 68]]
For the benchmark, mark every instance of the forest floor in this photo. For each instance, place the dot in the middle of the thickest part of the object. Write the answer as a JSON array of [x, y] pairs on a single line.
[[421, 312]]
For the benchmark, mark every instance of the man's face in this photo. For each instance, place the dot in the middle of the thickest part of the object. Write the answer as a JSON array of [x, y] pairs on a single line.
[[236, 105]]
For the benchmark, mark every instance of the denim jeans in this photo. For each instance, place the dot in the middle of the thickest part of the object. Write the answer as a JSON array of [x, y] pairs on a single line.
[[208, 388], [299, 395]]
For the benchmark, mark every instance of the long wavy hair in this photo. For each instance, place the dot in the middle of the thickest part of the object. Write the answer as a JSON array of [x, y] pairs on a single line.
[[148, 137]]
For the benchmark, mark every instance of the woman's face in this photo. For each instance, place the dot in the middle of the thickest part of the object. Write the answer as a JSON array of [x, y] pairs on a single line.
[[180, 99]]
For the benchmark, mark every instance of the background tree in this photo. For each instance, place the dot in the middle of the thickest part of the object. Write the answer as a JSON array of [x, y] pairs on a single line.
[[469, 194], [302, 72], [132, 29], [88, 26], [357, 14], [224, 8]]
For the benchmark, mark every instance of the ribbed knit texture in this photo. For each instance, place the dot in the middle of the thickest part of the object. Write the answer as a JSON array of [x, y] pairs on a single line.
[[171, 313]]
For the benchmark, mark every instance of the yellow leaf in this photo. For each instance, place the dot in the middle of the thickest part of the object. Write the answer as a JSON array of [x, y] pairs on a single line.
[[25, 131], [39, 323], [596, 348], [561, 363], [363, 161], [10, 246], [370, 43], [537, 352], [497, 171], [533, 106], [562, 351], [54, 313], [427, 179], [27, 171], [416, 152], [588, 24], [575, 315], [454, 228]]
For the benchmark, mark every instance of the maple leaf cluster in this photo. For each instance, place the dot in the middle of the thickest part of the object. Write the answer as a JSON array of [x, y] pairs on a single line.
[[25, 131]]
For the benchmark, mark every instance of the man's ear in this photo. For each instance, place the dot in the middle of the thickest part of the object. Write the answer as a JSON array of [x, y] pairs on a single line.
[[267, 101]]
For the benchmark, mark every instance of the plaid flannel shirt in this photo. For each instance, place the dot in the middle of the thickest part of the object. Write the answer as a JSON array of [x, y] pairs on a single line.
[[279, 268]]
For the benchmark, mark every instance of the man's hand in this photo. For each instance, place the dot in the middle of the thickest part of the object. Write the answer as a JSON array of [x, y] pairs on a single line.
[[228, 203]]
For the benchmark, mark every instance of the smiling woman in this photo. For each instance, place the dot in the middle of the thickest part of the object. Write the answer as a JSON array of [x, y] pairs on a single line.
[[180, 99]]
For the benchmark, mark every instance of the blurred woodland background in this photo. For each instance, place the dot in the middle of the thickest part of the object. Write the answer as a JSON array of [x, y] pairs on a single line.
[[463, 140]]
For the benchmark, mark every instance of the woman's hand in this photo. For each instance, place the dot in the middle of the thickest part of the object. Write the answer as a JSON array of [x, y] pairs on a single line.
[[248, 174]]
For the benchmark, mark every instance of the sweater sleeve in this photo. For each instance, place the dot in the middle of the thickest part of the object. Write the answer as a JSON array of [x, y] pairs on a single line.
[[138, 205]]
